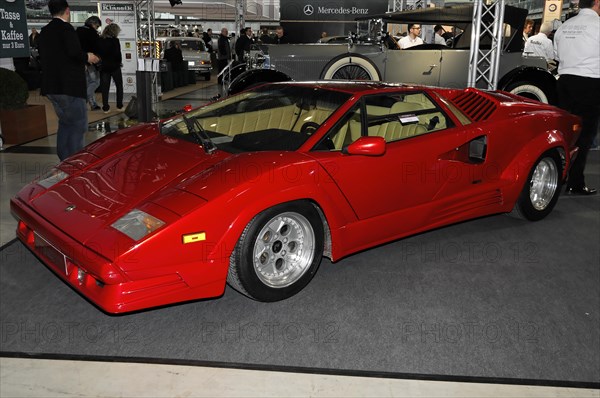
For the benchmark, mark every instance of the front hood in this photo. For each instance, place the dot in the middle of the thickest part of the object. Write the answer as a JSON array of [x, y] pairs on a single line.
[[95, 197]]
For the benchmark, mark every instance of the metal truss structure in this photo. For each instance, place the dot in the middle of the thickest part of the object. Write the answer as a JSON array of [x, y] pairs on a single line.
[[488, 20], [146, 31], [147, 80], [241, 7], [403, 5]]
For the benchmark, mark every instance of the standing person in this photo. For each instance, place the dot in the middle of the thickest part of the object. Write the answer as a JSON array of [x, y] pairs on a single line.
[[63, 77], [576, 50], [265, 38], [207, 38], [540, 45], [110, 52], [243, 44], [88, 37], [33, 38], [174, 56], [223, 51], [438, 32], [280, 37], [412, 39], [527, 29]]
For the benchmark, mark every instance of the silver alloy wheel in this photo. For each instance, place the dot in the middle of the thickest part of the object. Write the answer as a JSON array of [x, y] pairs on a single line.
[[284, 250], [543, 184]]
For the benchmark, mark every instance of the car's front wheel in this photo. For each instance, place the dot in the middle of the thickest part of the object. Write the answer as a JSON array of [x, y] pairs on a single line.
[[278, 252], [541, 190]]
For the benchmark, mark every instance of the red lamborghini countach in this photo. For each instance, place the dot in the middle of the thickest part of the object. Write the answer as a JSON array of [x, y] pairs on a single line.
[[253, 190]]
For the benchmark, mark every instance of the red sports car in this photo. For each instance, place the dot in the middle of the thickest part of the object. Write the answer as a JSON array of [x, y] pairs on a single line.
[[255, 189]]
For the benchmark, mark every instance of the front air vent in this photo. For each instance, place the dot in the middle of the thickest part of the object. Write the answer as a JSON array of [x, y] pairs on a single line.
[[473, 104]]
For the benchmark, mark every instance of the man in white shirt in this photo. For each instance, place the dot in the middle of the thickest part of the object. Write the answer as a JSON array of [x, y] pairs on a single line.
[[412, 39], [578, 53], [540, 45]]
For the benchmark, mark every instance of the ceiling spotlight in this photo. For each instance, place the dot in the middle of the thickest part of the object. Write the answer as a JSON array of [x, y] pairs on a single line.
[[174, 2]]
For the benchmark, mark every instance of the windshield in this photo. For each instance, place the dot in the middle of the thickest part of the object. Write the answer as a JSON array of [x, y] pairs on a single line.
[[269, 118], [192, 45]]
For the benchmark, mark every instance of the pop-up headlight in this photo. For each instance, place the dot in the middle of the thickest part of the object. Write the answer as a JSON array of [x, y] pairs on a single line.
[[137, 224], [52, 178]]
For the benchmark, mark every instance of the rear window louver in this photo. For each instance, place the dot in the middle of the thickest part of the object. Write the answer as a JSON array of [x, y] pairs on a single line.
[[476, 106]]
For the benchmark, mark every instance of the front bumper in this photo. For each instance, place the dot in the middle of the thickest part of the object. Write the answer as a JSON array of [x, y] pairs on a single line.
[[96, 277], [199, 67]]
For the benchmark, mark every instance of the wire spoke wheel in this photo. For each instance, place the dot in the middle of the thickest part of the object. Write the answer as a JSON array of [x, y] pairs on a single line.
[[351, 72]]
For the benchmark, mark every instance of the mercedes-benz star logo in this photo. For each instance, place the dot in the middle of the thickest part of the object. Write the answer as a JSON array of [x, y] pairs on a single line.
[[308, 9]]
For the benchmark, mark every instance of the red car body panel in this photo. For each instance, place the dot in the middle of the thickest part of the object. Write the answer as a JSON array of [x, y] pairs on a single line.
[[418, 184]]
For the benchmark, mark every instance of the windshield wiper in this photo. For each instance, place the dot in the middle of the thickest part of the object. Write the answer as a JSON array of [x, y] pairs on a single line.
[[195, 128]]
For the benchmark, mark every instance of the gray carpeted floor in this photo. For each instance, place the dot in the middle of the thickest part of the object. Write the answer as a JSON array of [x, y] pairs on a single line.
[[494, 297]]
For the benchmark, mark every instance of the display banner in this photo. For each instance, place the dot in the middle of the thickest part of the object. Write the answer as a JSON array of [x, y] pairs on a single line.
[[552, 10], [123, 14], [13, 29], [305, 20], [328, 10]]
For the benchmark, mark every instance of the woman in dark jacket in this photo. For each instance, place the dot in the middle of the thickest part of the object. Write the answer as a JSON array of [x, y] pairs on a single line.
[[109, 50]]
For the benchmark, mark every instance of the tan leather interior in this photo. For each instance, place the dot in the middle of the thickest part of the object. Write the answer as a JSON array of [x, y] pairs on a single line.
[[292, 118], [391, 131], [288, 117]]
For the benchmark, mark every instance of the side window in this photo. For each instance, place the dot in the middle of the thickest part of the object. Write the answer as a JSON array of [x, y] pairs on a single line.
[[403, 115], [346, 131], [395, 116]]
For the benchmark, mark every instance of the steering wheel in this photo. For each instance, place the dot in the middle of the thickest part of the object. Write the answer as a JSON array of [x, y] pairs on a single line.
[[309, 128]]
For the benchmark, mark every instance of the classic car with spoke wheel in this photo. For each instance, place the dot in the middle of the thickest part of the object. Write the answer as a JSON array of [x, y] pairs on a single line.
[[372, 54], [255, 189]]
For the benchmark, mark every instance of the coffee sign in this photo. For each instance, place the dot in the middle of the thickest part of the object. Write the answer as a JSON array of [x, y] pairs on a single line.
[[14, 39]]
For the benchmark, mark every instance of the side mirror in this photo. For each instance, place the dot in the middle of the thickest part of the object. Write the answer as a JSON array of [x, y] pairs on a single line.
[[367, 146]]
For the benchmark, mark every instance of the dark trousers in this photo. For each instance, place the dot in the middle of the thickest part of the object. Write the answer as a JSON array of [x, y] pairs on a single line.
[[72, 123], [105, 77], [581, 96]]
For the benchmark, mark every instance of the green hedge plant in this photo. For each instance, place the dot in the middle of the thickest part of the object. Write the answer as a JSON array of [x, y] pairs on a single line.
[[13, 90]]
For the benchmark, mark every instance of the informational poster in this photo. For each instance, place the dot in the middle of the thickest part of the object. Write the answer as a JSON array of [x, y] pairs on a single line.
[[552, 10], [13, 29], [123, 14]]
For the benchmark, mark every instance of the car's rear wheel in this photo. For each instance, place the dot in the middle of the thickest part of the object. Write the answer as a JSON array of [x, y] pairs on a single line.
[[350, 67], [529, 90], [541, 190], [278, 252]]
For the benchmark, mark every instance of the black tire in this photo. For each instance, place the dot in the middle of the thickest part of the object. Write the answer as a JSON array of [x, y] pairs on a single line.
[[531, 90], [541, 190], [350, 67], [207, 77], [292, 250]]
